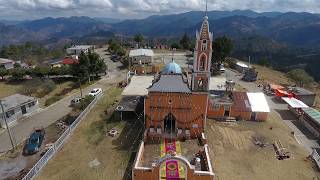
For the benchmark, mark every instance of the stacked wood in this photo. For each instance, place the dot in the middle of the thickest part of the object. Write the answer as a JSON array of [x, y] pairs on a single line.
[[281, 152]]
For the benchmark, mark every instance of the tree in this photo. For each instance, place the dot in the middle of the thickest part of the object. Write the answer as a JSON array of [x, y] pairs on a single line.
[[17, 73], [222, 47], [40, 71], [264, 62], [175, 45], [121, 51], [3, 72], [138, 38], [185, 42], [300, 77]]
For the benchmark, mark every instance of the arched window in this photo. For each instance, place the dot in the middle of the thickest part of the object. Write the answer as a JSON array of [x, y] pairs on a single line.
[[202, 65], [204, 45]]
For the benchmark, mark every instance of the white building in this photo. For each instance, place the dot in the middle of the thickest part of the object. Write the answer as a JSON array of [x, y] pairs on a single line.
[[6, 63], [76, 50], [141, 56]]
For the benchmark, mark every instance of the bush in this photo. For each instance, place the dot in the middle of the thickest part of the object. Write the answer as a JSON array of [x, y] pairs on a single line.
[[52, 100], [84, 103]]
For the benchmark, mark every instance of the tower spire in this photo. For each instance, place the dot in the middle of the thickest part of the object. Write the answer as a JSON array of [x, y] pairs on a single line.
[[206, 12]]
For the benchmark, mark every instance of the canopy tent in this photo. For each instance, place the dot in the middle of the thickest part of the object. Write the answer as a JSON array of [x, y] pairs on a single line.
[[258, 102], [282, 93], [294, 103]]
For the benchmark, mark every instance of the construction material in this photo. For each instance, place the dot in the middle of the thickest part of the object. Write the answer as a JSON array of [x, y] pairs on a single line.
[[281, 152]]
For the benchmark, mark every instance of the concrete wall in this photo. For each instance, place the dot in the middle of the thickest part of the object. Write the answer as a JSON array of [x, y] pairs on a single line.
[[18, 113], [143, 59]]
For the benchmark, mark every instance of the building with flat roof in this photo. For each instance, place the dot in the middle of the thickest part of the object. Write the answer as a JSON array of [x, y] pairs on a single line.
[[141, 56], [77, 49], [17, 106]]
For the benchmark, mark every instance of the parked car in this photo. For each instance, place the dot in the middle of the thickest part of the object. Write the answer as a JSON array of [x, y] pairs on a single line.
[[75, 101], [222, 69], [95, 92], [34, 142]]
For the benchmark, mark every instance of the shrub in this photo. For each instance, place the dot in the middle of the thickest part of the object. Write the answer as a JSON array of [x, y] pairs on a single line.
[[84, 103]]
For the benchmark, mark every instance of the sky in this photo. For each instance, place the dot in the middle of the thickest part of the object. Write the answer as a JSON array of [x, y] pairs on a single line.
[[129, 9]]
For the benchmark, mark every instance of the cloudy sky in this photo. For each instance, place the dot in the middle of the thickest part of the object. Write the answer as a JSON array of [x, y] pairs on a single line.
[[127, 9]]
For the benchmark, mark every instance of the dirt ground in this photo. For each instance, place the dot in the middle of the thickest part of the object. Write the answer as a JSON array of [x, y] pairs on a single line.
[[14, 165], [235, 157], [90, 145]]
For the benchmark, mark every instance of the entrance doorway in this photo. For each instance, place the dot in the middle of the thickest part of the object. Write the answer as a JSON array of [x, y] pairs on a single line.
[[170, 124], [253, 116], [23, 109], [226, 111]]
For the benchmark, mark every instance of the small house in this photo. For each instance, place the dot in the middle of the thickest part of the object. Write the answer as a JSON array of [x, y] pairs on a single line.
[[77, 50], [141, 56], [311, 120], [15, 107], [6, 63]]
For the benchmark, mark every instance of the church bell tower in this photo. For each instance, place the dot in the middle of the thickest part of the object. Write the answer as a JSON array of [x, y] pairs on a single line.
[[202, 58]]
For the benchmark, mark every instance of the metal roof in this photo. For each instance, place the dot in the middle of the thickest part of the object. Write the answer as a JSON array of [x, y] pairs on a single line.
[[171, 68], [138, 86], [242, 65], [81, 47], [15, 100], [294, 103], [170, 83], [258, 102], [5, 61], [313, 114], [141, 52]]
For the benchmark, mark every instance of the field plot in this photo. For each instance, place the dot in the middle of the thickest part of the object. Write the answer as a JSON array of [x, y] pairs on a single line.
[[89, 153], [235, 156]]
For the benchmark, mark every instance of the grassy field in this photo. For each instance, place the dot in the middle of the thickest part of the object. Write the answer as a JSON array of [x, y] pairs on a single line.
[[235, 157], [9, 89], [272, 76], [89, 142]]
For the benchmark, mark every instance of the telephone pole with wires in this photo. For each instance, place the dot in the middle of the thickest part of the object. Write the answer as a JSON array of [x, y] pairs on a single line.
[[5, 120]]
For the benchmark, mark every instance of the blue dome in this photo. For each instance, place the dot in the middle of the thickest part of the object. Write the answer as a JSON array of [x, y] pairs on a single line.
[[171, 68]]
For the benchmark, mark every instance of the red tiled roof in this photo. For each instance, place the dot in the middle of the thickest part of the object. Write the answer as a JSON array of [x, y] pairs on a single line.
[[69, 61], [241, 101]]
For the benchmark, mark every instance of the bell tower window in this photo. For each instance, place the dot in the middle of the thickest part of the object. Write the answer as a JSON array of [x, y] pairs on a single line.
[[202, 63], [204, 45]]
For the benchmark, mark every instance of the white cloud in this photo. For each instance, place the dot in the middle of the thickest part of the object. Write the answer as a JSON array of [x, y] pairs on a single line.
[[142, 8]]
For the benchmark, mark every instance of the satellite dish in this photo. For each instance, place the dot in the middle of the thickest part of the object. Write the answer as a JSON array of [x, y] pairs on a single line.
[[120, 108]]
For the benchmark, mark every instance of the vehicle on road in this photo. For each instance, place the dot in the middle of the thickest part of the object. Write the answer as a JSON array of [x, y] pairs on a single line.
[[95, 92], [75, 101], [34, 142], [222, 69]]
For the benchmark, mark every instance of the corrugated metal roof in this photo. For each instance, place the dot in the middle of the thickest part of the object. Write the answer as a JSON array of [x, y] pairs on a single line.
[[313, 114], [242, 65], [295, 103], [141, 52], [258, 102], [15, 100], [170, 83]]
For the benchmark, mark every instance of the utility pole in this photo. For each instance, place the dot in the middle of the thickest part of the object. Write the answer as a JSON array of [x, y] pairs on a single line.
[[5, 120], [80, 87]]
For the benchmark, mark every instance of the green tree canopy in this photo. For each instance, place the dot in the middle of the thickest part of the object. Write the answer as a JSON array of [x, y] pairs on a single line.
[[138, 38], [222, 47], [185, 42], [300, 77], [3, 72]]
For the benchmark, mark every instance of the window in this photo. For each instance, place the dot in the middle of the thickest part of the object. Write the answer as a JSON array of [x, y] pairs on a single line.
[[31, 104], [200, 84], [216, 107], [202, 63], [204, 45], [10, 113]]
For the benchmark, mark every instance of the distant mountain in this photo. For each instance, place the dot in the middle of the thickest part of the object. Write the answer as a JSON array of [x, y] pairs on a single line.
[[10, 34], [107, 20], [294, 28]]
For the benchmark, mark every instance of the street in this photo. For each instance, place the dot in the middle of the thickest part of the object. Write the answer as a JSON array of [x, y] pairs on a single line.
[[56, 111], [301, 134]]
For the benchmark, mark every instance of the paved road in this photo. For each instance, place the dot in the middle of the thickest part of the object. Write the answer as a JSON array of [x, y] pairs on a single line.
[[303, 136], [51, 114]]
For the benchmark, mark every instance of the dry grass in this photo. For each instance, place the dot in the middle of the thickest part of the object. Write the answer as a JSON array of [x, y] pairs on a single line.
[[235, 157], [89, 142], [9, 89]]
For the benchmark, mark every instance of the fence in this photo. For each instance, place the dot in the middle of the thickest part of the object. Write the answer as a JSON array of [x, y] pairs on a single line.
[[58, 144]]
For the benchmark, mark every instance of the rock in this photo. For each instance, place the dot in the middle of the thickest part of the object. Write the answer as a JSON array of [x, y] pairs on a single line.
[[94, 163]]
